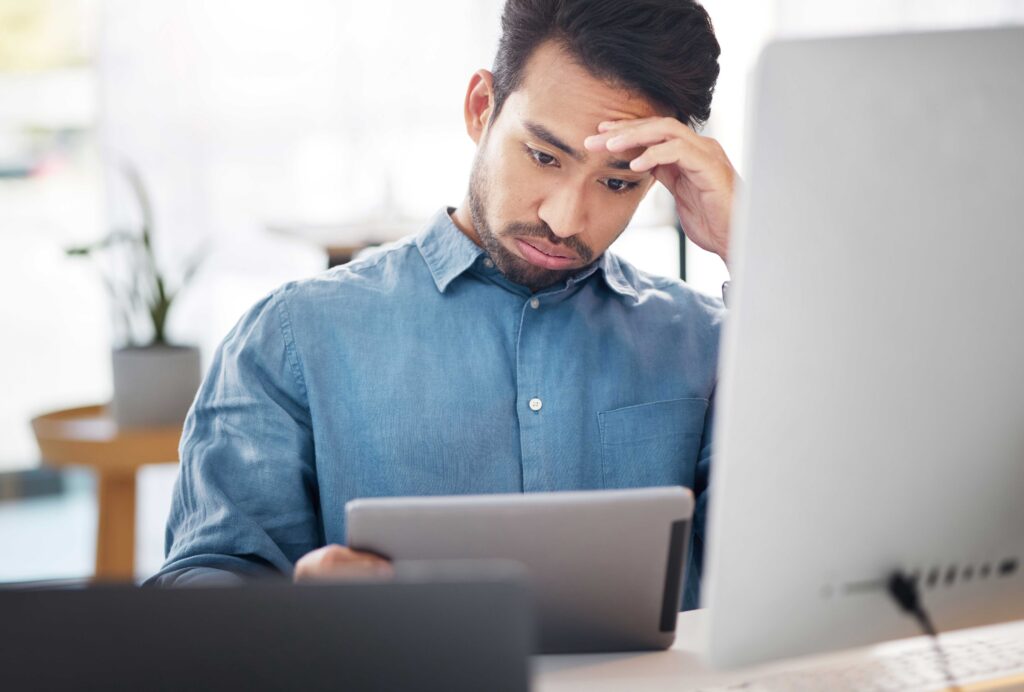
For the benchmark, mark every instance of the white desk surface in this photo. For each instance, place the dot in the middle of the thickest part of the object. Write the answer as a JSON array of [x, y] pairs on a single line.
[[684, 667]]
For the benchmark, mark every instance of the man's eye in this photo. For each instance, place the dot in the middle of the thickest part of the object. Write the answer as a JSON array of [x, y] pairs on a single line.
[[617, 185], [540, 158]]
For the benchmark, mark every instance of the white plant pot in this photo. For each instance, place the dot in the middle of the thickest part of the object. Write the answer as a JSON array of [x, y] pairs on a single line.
[[154, 385]]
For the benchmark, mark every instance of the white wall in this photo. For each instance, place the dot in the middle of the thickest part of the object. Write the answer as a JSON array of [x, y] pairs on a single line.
[[244, 113]]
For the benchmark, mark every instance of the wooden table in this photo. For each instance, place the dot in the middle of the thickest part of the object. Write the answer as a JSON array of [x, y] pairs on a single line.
[[88, 436]]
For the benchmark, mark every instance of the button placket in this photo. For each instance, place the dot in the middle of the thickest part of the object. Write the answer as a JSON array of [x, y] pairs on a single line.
[[530, 358]]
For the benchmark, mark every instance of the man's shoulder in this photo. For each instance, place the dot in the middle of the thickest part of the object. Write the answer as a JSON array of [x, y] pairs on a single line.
[[378, 270], [670, 294]]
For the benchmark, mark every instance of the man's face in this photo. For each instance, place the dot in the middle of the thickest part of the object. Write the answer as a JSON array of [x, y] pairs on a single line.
[[542, 206]]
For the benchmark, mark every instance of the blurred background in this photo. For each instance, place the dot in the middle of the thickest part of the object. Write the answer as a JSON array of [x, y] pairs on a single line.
[[267, 136]]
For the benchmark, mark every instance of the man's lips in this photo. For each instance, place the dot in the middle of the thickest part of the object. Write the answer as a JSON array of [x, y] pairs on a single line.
[[544, 255]]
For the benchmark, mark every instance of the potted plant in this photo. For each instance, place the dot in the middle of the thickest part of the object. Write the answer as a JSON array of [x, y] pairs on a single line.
[[155, 380]]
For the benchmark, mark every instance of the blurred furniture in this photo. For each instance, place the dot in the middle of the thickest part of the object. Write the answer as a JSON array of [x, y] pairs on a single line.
[[342, 241], [343, 254], [88, 436], [25, 483], [339, 245]]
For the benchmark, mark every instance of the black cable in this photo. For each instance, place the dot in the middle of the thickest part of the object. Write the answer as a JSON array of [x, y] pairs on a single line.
[[904, 591]]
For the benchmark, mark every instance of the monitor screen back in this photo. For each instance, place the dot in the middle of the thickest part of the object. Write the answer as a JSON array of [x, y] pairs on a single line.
[[871, 401]]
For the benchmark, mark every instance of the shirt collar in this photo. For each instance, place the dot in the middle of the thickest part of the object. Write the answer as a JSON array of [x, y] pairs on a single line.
[[611, 268], [449, 252]]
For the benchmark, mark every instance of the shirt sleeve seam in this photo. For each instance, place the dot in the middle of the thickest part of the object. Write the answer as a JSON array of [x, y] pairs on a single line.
[[290, 348]]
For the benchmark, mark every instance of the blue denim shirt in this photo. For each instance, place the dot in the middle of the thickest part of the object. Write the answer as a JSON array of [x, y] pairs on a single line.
[[422, 370]]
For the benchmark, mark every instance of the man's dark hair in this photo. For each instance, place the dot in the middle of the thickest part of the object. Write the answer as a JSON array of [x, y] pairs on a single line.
[[664, 50]]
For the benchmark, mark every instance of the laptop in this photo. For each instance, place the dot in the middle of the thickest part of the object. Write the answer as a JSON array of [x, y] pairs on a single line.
[[605, 566], [432, 627]]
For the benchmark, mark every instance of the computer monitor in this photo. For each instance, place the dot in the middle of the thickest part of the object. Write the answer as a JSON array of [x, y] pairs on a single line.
[[871, 401]]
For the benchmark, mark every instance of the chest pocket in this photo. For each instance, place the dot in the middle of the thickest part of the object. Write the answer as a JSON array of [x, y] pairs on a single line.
[[651, 444]]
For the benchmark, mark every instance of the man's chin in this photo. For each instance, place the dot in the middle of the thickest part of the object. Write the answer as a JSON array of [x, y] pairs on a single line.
[[519, 271], [516, 268]]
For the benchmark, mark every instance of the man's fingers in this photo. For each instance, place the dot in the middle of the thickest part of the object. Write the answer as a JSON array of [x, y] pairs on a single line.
[[627, 133], [353, 570], [337, 561], [619, 124], [601, 141], [339, 554], [694, 152], [688, 157], [653, 129], [667, 175], [340, 557]]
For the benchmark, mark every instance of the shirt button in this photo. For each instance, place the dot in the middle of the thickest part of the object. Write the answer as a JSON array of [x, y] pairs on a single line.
[[535, 404], [535, 303], [489, 263]]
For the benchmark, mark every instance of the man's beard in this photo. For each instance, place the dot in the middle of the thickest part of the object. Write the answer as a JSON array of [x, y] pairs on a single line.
[[512, 266]]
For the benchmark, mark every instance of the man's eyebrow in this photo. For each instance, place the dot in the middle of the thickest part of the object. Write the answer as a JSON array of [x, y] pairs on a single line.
[[541, 132]]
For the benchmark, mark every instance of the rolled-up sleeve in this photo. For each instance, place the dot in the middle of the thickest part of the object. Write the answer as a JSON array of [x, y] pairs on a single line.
[[245, 502]]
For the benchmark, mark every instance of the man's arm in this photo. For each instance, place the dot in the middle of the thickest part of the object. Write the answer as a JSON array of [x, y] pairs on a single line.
[[245, 502]]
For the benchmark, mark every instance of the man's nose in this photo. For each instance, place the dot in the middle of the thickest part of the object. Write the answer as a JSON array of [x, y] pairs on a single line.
[[564, 211]]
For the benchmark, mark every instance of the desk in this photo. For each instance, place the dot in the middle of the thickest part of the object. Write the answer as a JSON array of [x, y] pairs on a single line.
[[684, 666], [88, 436]]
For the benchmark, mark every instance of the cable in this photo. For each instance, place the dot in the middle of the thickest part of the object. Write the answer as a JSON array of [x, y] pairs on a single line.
[[904, 591]]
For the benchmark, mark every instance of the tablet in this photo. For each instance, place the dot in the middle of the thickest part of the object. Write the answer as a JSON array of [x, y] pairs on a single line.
[[605, 566]]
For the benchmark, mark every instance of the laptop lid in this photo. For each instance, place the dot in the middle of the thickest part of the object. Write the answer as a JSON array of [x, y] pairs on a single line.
[[463, 627]]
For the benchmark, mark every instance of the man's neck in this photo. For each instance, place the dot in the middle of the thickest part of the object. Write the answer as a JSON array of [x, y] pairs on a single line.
[[464, 222]]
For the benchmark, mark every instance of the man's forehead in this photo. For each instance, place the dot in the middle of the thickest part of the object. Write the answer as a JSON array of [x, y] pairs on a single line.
[[555, 88], [561, 103]]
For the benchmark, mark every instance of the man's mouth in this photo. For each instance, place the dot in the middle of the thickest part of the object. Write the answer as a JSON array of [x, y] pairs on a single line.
[[544, 255]]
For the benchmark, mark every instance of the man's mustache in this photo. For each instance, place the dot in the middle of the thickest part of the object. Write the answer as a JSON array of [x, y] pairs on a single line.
[[544, 231]]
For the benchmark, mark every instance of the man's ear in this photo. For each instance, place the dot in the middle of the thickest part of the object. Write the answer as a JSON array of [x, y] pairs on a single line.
[[479, 103]]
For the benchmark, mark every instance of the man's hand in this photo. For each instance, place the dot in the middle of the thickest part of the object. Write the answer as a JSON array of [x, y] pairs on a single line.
[[694, 168], [336, 562]]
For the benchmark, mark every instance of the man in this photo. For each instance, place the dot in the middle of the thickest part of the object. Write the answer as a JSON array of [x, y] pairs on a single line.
[[501, 349]]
